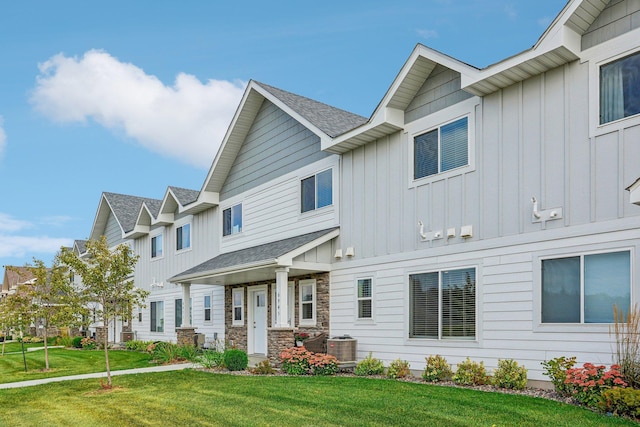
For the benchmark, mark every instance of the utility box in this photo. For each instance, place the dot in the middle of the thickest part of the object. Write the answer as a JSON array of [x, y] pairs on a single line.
[[126, 336], [344, 348], [198, 340]]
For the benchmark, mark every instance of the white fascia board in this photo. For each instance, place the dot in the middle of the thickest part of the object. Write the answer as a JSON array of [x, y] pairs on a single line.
[[222, 272], [103, 214], [164, 208], [634, 192]]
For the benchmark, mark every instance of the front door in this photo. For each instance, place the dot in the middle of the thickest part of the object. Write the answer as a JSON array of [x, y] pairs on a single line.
[[258, 325]]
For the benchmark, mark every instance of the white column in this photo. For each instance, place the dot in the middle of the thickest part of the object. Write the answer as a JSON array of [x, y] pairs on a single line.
[[282, 306], [186, 307]]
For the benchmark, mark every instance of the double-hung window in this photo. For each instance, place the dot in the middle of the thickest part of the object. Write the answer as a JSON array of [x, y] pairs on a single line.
[[237, 297], [365, 299], [584, 288], [316, 191], [178, 313], [620, 88], [207, 308], [183, 237], [157, 316], [441, 149], [307, 302], [156, 246], [443, 304], [232, 220]]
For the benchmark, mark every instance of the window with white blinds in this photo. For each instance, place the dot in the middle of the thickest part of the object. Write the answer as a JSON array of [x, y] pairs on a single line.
[[441, 149], [443, 304], [365, 299]]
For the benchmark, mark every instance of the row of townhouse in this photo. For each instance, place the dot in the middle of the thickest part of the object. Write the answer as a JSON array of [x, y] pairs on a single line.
[[478, 212]]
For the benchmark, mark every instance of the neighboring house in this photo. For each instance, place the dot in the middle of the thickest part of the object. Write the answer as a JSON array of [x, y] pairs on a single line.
[[14, 276], [477, 212]]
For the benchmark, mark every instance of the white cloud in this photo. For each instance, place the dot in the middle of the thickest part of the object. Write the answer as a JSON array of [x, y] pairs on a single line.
[[3, 136], [187, 120], [56, 220], [510, 10], [20, 246], [427, 34], [10, 224]]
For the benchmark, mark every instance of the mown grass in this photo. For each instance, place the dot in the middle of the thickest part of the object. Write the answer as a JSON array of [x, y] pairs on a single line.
[[14, 346], [64, 362], [199, 398]]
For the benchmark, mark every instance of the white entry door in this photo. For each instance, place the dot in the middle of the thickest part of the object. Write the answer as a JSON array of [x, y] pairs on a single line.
[[258, 323]]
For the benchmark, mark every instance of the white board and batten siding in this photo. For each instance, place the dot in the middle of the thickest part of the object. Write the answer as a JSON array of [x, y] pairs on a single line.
[[534, 138], [204, 245]]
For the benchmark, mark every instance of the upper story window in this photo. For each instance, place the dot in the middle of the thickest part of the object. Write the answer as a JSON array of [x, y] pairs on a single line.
[[441, 149], [443, 304], [620, 88], [156, 246], [183, 237], [584, 288], [317, 191], [232, 220]]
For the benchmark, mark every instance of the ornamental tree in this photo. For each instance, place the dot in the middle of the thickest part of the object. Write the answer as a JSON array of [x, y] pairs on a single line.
[[107, 282]]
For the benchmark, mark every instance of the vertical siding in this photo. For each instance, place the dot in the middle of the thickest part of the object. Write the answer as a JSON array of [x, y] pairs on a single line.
[[618, 17], [276, 145], [112, 231]]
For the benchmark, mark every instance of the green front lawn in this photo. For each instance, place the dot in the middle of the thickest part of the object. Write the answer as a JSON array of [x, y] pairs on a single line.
[[64, 362], [198, 398], [13, 346]]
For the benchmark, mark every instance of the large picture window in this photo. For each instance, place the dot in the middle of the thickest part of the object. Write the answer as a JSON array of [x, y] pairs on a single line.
[[441, 149], [317, 191], [620, 89], [183, 237], [584, 289], [157, 316], [232, 220], [443, 304]]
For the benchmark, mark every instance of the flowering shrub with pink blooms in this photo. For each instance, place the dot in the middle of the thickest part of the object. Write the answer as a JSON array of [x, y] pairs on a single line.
[[299, 361], [586, 384]]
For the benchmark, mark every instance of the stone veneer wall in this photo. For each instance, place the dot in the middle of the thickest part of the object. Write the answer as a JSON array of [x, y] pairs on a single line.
[[279, 338]]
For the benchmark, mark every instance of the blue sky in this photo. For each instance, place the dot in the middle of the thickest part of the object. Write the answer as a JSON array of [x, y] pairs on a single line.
[[131, 97]]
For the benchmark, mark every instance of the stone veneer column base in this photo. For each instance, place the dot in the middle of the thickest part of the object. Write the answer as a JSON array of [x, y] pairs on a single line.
[[279, 339], [101, 331], [186, 336]]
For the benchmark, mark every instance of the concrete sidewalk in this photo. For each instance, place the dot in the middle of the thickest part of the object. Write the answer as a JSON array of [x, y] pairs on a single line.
[[162, 368]]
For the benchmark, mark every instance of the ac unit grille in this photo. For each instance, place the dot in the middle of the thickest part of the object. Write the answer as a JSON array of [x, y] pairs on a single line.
[[343, 349]]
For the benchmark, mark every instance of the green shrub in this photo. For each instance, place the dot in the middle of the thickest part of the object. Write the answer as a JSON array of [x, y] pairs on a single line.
[[621, 401], [437, 369], [65, 341], [210, 359], [509, 375], [187, 352], [323, 364], [399, 369], [235, 360], [88, 343], [470, 373], [263, 368], [369, 366], [295, 361], [556, 369], [137, 345], [76, 342], [586, 384], [164, 352]]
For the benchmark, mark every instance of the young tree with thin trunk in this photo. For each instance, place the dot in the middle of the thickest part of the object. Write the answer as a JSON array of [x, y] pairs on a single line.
[[15, 312], [107, 281]]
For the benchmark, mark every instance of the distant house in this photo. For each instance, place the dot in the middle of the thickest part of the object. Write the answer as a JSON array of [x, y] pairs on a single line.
[[14, 276], [477, 212]]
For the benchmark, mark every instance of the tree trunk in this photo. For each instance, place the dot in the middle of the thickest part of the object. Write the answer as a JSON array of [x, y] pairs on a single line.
[[105, 322], [46, 349]]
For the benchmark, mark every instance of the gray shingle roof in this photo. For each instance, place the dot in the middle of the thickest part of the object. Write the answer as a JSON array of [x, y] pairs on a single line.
[[330, 120], [126, 208], [81, 245], [184, 195], [265, 252]]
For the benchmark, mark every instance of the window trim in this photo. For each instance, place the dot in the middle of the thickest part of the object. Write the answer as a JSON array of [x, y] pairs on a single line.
[[597, 56], [315, 174], [235, 322], [231, 208], [370, 298], [313, 320], [446, 341], [205, 308], [181, 226], [153, 236], [153, 325], [175, 312], [466, 108]]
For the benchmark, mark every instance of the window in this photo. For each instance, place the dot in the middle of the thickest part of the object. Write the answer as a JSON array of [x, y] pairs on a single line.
[[207, 308], [157, 316], [307, 302], [620, 89], [441, 149], [364, 299], [316, 191], [156, 246], [232, 220], [238, 306], [584, 289], [443, 304], [183, 237], [178, 313]]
